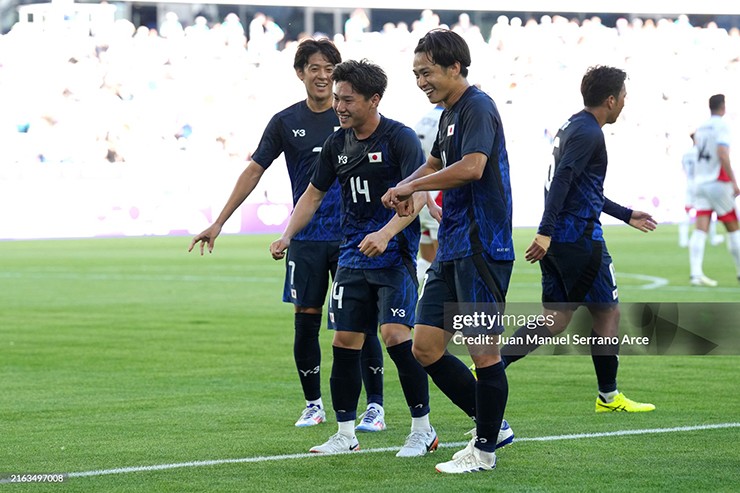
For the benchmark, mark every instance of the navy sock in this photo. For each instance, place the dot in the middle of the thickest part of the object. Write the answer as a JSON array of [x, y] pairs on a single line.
[[492, 392], [345, 383], [606, 363], [513, 352], [372, 369], [413, 378], [307, 353], [455, 381]]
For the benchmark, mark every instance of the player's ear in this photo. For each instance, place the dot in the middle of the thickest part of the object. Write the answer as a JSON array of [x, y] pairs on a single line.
[[375, 100], [300, 73]]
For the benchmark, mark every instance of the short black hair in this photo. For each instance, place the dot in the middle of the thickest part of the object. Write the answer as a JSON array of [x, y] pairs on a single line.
[[366, 77], [310, 46], [599, 83], [716, 102], [444, 48]]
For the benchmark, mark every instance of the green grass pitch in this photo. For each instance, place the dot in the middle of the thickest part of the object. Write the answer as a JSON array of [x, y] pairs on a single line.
[[132, 353]]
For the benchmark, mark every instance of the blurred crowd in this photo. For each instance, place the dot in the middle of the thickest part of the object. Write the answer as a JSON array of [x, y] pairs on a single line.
[[204, 92]]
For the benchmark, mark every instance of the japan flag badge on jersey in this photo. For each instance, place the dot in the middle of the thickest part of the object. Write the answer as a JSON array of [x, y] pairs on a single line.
[[450, 130], [375, 157]]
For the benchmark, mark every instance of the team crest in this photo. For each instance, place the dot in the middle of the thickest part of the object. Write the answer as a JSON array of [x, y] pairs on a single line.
[[450, 130], [375, 157]]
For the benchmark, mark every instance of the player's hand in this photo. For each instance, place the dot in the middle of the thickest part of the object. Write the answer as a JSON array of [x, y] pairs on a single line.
[[537, 249], [208, 236], [643, 221], [434, 210], [278, 247], [396, 196], [374, 244]]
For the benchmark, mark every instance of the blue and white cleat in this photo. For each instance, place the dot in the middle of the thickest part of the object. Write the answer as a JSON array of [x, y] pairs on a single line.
[[373, 419], [311, 416]]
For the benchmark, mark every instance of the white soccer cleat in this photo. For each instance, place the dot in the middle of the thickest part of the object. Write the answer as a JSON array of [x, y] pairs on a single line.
[[373, 419], [337, 444], [717, 240], [418, 443], [311, 416], [505, 437], [703, 281], [472, 460]]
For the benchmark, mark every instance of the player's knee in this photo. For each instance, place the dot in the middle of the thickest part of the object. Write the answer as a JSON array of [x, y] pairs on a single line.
[[426, 354], [394, 334]]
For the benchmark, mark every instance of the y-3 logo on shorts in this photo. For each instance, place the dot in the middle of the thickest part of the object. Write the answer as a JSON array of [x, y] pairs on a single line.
[[398, 312]]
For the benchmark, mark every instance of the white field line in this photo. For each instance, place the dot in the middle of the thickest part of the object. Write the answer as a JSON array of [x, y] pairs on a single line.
[[579, 436]]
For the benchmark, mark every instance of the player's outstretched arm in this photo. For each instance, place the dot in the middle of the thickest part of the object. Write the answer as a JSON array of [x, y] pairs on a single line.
[[375, 243], [397, 197], [244, 186], [304, 210], [643, 221]]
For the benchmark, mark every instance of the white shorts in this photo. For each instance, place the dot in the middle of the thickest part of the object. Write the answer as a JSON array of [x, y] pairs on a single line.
[[429, 227], [717, 196]]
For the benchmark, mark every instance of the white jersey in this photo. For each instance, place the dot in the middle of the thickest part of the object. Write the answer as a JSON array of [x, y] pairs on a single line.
[[427, 129], [708, 137], [688, 162]]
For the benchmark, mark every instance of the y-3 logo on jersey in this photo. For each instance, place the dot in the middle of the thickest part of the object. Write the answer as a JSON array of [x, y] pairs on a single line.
[[299, 132], [342, 159]]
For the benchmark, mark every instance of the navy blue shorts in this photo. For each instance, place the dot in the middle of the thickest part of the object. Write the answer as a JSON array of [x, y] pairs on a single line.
[[362, 299], [477, 280], [578, 273], [308, 266]]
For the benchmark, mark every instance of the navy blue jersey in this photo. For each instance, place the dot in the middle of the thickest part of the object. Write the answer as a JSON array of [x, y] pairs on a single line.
[[476, 217], [574, 192], [366, 169], [299, 133]]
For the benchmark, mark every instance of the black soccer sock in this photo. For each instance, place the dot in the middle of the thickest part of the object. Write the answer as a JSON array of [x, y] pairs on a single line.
[[491, 394], [455, 380], [372, 369], [345, 383], [606, 364], [307, 353], [528, 336], [413, 378]]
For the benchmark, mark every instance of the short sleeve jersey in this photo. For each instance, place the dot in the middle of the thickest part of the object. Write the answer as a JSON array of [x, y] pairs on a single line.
[[709, 136], [574, 191], [476, 217], [299, 133], [426, 129], [365, 170]]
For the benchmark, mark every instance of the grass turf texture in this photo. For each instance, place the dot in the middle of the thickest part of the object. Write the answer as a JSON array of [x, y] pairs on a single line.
[[131, 352]]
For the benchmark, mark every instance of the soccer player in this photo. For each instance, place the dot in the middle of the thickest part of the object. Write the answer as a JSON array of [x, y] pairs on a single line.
[[688, 163], [575, 263], [715, 189], [376, 279], [298, 131], [469, 163]]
